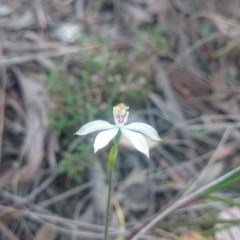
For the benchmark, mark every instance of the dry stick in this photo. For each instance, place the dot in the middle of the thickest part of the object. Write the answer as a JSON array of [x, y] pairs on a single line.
[[3, 83], [7, 232], [21, 200], [41, 187], [202, 175], [56, 220], [162, 80], [66, 194], [41, 212], [38, 207], [9, 60], [64, 230], [60, 197], [213, 126], [78, 210], [205, 205], [193, 47], [6, 61], [181, 202]]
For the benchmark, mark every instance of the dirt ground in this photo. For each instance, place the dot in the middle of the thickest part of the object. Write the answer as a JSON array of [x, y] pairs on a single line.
[[66, 62]]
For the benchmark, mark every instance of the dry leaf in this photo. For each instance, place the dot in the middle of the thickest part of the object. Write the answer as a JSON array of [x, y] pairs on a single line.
[[52, 148], [182, 6], [136, 15], [226, 26], [156, 6], [46, 232], [37, 126], [214, 171], [21, 22], [35, 123], [8, 216], [225, 152], [40, 14]]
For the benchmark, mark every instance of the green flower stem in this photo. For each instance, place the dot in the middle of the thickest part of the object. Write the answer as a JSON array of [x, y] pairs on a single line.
[[111, 163], [110, 171]]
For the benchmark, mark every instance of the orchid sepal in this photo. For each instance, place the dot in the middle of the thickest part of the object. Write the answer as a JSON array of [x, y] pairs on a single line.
[[94, 126]]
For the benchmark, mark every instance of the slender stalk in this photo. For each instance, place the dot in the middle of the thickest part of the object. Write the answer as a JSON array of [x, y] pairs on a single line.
[[110, 171], [111, 163]]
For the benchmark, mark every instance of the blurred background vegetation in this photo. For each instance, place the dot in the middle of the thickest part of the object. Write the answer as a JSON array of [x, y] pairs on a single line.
[[67, 62]]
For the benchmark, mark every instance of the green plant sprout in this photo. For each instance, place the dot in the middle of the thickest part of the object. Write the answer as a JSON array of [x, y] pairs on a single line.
[[151, 40], [72, 166]]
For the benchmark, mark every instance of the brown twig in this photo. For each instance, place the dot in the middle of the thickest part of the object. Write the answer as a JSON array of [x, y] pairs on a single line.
[[7, 232], [7, 60], [3, 83]]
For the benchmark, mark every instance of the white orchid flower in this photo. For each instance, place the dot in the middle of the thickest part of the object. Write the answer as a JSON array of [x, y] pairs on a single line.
[[131, 131]]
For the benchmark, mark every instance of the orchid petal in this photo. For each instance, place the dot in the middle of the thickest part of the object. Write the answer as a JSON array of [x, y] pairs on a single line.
[[94, 126], [144, 129], [137, 140], [103, 138]]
